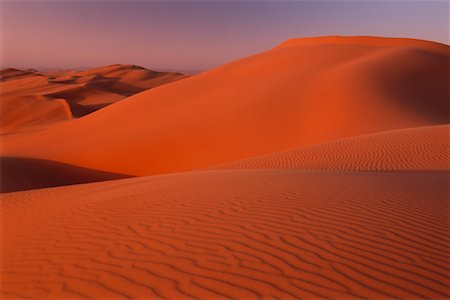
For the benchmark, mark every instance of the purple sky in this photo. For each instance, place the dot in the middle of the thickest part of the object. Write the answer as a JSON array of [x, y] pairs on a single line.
[[194, 35]]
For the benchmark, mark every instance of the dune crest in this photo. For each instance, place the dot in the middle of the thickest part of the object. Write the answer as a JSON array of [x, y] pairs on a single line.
[[366, 41]]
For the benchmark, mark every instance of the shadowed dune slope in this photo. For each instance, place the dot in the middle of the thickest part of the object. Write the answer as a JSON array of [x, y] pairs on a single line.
[[18, 174], [288, 97], [30, 98], [424, 149], [277, 234]]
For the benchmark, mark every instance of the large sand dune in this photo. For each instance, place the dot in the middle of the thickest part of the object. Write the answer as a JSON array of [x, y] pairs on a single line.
[[288, 97], [277, 234], [30, 98]]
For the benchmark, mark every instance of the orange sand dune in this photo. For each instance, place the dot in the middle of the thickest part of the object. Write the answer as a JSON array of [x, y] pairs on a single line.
[[285, 98], [424, 148], [18, 174], [336, 105], [30, 98], [277, 234]]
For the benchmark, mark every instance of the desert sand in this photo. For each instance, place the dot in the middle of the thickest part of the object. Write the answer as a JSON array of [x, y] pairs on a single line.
[[316, 170], [286, 234]]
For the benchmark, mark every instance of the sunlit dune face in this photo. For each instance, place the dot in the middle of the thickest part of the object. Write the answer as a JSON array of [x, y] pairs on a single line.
[[288, 97]]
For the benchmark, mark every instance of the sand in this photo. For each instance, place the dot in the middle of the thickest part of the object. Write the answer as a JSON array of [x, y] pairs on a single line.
[[316, 170], [287, 234], [31, 98]]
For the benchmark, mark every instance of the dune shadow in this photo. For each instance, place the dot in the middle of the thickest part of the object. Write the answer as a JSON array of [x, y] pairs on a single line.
[[19, 174]]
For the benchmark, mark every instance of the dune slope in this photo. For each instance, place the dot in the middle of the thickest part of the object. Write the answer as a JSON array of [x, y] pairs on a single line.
[[412, 149], [288, 97], [285, 234]]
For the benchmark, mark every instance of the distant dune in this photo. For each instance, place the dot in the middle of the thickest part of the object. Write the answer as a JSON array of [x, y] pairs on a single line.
[[288, 97], [275, 234], [30, 98]]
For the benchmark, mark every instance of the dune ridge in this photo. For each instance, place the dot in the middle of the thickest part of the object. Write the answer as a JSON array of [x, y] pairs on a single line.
[[366, 40], [243, 234]]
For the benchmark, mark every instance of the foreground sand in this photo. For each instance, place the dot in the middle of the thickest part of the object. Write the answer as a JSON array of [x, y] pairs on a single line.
[[287, 234]]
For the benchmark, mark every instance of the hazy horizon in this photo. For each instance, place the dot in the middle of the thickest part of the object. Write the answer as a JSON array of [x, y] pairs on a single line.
[[194, 36]]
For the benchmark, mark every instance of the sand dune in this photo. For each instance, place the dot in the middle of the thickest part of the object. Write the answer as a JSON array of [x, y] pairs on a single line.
[[278, 234], [18, 174], [424, 149], [369, 220], [30, 98], [285, 98]]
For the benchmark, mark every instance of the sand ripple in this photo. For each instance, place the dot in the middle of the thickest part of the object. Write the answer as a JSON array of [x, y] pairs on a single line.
[[231, 234]]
